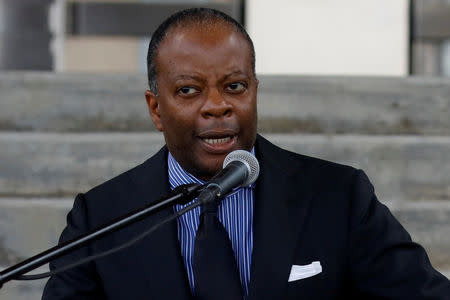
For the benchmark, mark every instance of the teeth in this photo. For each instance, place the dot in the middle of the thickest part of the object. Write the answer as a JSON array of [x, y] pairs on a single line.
[[217, 141]]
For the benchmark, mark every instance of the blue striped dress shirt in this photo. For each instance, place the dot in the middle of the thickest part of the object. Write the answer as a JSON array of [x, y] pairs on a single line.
[[236, 214]]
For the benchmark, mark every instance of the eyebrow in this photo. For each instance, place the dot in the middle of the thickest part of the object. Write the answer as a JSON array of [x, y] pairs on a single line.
[[238, 72], [182, 76], [198, 78]]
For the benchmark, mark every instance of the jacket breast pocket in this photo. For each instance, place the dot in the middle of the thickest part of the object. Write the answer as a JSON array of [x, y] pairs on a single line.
[[299, 272], [306, 281]]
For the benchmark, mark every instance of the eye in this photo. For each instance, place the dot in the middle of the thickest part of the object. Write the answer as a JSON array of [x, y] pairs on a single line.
[[236, 87], [187, 91]]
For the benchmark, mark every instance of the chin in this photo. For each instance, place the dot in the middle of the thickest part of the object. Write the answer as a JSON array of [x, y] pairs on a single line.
[[207, 171]]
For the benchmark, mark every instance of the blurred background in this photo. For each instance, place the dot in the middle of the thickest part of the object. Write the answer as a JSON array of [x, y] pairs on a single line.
[[360, 82]]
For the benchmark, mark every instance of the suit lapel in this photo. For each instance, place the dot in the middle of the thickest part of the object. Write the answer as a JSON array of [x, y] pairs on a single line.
[[281, 205], [159, 254]]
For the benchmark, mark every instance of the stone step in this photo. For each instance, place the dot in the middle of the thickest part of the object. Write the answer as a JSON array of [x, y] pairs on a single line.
[[428, 222], [29, 226], [359, 105], [23, 290], [406, 168]]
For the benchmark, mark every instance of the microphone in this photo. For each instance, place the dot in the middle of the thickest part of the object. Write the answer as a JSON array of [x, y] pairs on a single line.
[[240, 168]]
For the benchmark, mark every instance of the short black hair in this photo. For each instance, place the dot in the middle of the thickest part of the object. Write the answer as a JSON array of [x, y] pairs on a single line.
[[201, 16]]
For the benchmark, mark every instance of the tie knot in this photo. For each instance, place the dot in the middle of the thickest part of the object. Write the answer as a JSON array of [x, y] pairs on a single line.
[[210, 207]]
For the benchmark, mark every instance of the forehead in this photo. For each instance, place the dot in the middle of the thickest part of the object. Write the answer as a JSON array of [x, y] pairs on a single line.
[[204, 29], [204, 45]]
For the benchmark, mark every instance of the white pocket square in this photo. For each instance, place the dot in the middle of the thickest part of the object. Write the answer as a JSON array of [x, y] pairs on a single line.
[[300, 272]]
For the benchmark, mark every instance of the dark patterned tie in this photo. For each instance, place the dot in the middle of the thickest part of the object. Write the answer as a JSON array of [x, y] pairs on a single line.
[[216, 275]]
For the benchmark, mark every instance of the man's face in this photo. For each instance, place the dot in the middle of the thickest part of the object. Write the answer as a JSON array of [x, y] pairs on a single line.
[[206, 102]]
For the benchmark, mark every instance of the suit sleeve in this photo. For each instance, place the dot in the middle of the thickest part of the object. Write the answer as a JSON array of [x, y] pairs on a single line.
[[385, 263], [81, 282]]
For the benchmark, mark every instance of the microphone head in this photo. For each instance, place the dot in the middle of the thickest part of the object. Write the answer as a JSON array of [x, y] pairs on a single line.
[[248, 159]]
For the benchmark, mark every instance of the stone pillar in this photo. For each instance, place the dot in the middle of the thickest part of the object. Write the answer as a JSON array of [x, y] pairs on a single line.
[[25, 35]]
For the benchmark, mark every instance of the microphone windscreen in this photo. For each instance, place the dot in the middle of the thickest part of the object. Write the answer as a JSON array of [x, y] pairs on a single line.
[[248, 159]]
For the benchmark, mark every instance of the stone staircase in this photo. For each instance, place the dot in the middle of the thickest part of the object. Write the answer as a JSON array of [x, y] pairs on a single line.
[[61, 134]]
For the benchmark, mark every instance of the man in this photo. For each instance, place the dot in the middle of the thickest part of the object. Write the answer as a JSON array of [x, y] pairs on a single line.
[[306, 229]]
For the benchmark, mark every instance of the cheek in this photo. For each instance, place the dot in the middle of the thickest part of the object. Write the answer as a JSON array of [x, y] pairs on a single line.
[[178, 123], [249, 113]]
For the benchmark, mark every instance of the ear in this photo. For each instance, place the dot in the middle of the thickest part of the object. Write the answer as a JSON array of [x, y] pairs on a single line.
[[153, 109]]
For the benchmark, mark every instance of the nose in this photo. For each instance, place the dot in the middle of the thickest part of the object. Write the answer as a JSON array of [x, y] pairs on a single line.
[[216, 105]]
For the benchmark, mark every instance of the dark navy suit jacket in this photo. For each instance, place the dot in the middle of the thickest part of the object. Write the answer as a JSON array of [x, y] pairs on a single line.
[[306, 210]]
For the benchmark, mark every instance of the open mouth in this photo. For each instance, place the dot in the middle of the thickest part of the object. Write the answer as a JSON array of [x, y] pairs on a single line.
[[218, 142], [213, 141]]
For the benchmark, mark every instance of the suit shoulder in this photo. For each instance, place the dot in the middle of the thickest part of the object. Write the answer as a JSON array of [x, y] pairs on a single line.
[[317, 162], [123, 179], [292, 160], [128, 191], [131, 180]]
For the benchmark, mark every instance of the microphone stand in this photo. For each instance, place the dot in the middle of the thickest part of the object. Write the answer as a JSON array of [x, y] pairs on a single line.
[[180, 195]]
